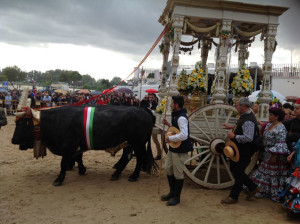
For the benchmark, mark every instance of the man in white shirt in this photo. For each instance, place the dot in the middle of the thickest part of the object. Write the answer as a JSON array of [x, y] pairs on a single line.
[[47, 99], [174, 164]]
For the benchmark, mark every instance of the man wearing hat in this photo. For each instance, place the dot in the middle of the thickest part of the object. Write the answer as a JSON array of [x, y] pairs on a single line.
[[293, 127], [178, 153], [242, 135]]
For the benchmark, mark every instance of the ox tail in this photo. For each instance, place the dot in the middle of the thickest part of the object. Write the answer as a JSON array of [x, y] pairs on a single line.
[[151, 165]]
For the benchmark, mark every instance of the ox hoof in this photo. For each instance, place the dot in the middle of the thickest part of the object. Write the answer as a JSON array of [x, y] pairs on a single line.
[[82, 171], [57, 183]]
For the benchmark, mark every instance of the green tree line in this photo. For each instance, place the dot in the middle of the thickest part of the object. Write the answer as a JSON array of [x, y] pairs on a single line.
[[14, 75]]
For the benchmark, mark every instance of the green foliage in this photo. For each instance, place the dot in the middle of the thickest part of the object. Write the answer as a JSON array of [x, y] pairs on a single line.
[[103, 84], [115, 80], [151, 75], [13, 74], [3, 78], [69, 76]]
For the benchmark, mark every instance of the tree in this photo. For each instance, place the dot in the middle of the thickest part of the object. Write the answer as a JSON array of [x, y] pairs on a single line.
[[14, 74], [69, 76], [89, 82], [115, 80], [103, 84]]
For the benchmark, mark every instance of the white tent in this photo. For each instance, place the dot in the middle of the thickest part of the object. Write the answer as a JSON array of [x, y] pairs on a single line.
[[274, 94]]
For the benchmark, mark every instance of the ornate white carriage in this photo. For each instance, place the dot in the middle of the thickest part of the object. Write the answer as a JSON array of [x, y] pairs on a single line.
[[227, 23]]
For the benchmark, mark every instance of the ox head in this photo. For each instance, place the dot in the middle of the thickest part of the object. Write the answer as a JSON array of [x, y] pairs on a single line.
[[23, 134]]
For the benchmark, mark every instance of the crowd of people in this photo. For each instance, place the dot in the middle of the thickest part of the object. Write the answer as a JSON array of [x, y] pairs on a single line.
[[10, 99]]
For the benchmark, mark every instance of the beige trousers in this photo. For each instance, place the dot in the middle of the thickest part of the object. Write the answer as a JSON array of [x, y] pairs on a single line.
[[155, 140], [174, 164]]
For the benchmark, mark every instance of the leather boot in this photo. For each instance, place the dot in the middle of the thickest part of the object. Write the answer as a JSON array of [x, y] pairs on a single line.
[[167, 197], [177, 191]]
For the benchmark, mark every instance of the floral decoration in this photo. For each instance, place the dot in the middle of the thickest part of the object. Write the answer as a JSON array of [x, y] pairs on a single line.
[[242, 83], [182, 82], [224, 34], [161, 47], [196, 82], [171, 34], [162, 106], [213, 87]]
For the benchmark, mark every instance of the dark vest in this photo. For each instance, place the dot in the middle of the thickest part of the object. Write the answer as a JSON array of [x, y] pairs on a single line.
[[186, 145], [245, 149]]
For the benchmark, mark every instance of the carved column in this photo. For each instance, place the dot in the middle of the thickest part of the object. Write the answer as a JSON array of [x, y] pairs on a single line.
[[243, 53], [178, 25], [206, 45], [265, 94], [162, 92], [220, 92]]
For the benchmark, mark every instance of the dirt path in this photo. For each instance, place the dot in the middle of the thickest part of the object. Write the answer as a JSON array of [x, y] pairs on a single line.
[[27, 194]]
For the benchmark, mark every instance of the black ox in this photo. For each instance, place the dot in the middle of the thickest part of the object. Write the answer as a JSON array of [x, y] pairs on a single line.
[[62, 131]]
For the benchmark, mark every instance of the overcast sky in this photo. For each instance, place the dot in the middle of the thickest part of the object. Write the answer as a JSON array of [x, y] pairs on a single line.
[[107, 38]]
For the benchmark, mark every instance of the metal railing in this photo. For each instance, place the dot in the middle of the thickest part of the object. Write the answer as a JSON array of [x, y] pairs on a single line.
[[10, 106]]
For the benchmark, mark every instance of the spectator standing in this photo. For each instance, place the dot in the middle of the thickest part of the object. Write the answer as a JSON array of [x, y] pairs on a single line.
[[15, 101], [293, 126], [152, 107], [47, 99], [8, 101]]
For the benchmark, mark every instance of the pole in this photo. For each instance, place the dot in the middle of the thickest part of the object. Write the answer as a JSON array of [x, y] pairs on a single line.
[[255, 80], [141, 86], [163, 133]]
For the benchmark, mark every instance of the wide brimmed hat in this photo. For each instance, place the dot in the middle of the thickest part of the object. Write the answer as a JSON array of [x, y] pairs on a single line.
[[231, 151], [173, 131]]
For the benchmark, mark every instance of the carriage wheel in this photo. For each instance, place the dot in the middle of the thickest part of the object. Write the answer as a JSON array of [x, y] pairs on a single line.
[[207, 166]]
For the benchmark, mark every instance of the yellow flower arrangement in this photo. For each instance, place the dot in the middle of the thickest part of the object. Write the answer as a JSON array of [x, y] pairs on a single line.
[[161, 108], [196, 80], [182, 81], [242, 82]]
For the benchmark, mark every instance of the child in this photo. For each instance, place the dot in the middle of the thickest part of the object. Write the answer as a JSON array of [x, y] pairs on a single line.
[[291, 194]]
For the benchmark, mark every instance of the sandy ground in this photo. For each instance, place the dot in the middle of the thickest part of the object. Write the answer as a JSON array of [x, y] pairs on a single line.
[[28, 196]]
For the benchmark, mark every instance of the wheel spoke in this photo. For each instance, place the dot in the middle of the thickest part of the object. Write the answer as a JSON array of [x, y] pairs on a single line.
[[228, 117], [200, 164], [201, 147], [197, 155], [196, 126], [200, 140], [206, 121], [227, 168], [209, 167], [218, 169], [217, 122]]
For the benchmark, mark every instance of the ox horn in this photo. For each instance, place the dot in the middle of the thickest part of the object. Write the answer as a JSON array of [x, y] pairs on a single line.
[[20, 114], [23, 100], [36, 114]]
